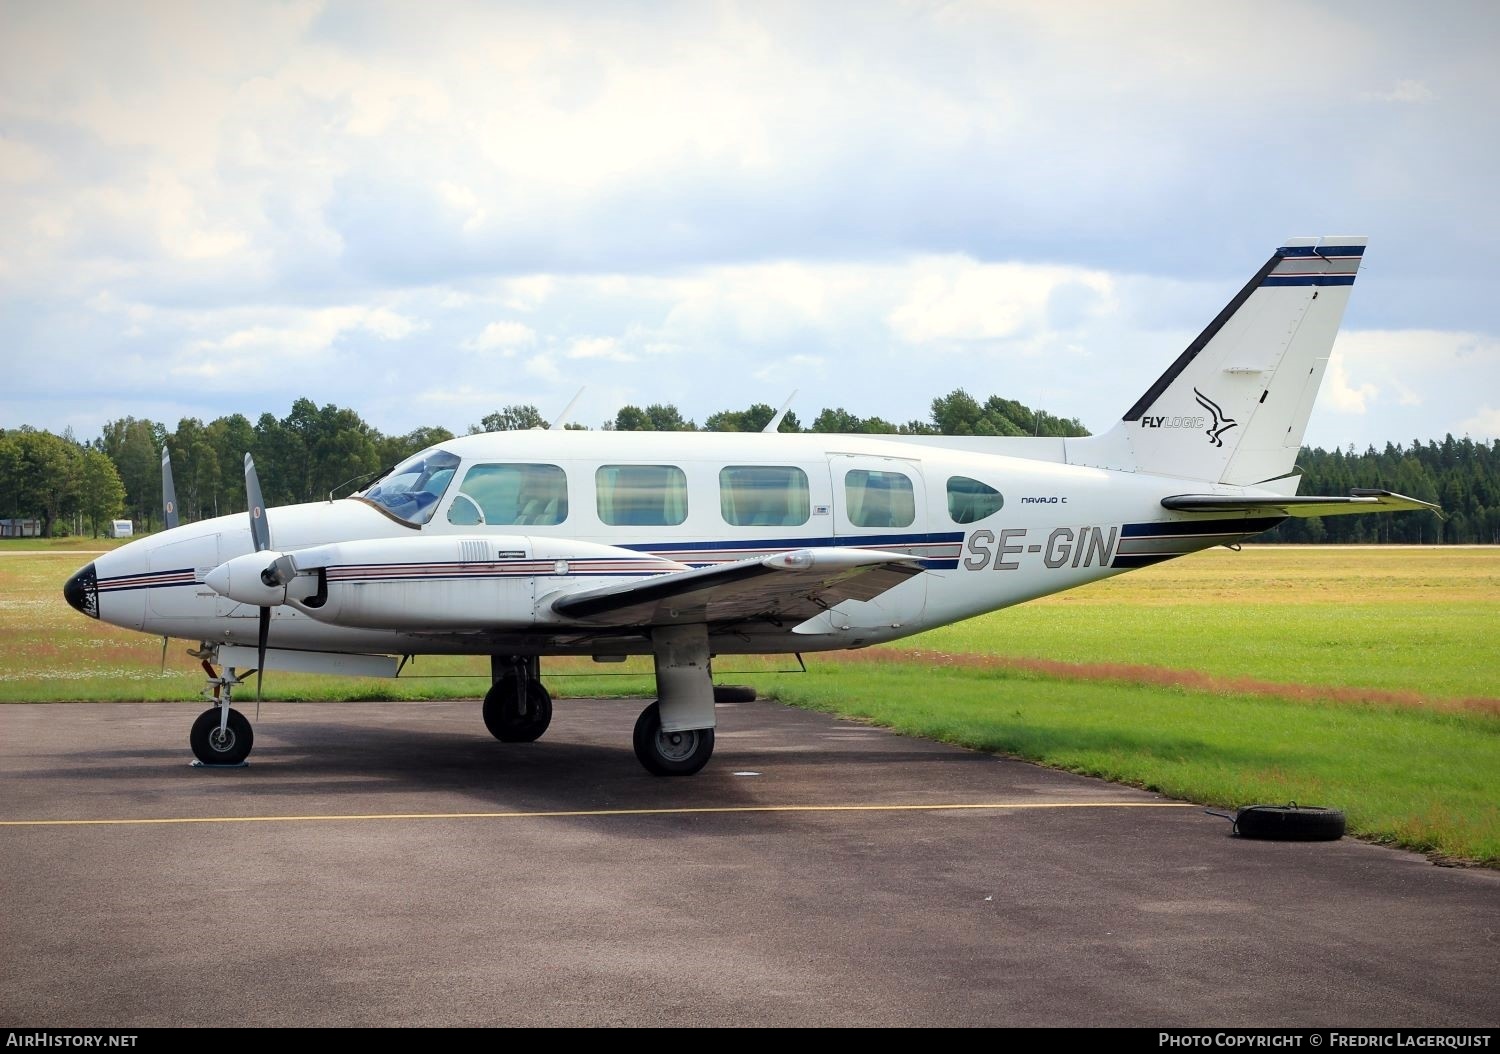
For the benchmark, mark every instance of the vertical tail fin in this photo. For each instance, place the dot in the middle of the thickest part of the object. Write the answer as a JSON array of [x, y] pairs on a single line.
[[1234, 406]]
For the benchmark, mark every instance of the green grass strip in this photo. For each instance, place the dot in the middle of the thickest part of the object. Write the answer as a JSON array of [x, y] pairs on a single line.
[[1414, 778]]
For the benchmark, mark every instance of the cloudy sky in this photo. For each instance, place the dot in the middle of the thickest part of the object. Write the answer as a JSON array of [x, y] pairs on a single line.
[[427, 211]]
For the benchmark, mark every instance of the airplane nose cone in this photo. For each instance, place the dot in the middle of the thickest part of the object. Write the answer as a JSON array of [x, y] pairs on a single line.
[[82, 592]]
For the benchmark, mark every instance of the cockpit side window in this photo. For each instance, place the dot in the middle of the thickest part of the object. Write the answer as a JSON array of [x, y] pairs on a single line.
[[411, 491], [970, 501], [508, 495]]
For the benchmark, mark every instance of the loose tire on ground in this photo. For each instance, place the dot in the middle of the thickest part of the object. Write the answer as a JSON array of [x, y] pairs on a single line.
[[670, 753], [212, 748], [503, 719], [1290, 823], [734, 693]]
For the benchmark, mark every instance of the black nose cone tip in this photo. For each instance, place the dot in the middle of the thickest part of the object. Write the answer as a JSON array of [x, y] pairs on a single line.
[[82, 592]]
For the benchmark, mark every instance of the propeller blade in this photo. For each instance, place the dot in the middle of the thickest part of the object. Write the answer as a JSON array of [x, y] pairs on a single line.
[[260, 530], [164, 655], [168, 491], [260, 661]]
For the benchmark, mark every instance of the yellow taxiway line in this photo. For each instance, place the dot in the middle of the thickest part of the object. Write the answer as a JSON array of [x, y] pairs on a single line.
[[581, 813]]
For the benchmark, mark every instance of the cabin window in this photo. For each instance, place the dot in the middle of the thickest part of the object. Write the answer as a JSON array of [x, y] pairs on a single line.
[[511, 495], [641, 495], [412, 490], [970, 501], [764, 496], [879, 499]]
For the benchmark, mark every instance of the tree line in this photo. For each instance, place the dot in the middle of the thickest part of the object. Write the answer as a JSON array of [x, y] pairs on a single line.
[[1460, 475], [313, 451]]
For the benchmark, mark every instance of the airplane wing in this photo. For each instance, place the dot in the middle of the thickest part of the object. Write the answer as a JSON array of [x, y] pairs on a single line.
[[1297, 505], [791, 587]]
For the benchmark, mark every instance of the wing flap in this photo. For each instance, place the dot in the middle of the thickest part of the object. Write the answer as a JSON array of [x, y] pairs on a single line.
[[1298, 505], [791, 586]]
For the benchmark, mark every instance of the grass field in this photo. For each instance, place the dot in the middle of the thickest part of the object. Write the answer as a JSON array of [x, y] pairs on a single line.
[[1366, 678], [59, 545]]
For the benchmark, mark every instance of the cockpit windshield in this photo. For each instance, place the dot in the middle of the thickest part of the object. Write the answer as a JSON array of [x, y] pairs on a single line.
[[411, 491]]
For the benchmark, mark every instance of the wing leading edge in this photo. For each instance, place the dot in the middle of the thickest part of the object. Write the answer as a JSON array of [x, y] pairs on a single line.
[[791, 587], [1294, 505]]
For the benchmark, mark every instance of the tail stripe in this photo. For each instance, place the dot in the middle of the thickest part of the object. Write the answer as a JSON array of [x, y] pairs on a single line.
[[1277, 280], [1326, 252]]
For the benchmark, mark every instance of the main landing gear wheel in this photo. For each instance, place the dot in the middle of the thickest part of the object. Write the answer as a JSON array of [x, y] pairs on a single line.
[[670, 753], [502, 711], [213, 746]]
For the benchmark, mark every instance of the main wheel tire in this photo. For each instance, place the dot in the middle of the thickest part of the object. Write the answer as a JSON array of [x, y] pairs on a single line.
[[1290, 823], [230, 747], [734, 693], [670, 753], [503, 717]]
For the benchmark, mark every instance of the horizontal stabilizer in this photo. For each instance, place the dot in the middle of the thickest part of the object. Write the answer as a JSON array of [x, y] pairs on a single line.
[[1302, 506], [791, 587]]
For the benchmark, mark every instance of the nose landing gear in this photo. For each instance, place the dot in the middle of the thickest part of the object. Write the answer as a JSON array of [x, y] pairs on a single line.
[[221, 735]]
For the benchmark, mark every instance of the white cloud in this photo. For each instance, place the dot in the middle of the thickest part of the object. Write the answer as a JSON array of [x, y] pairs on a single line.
[[503, 334], [1339, 394], [1484, 425], [1404, 91], [794, 369], [599, 348], [543, 367], [527, 293], [21, 162], [956, 298], [1410, 384]]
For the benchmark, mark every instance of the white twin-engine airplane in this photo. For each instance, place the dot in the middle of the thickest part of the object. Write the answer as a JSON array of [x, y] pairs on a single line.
[[683, 546]]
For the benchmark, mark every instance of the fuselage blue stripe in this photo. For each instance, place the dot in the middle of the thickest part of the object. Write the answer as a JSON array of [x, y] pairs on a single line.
[[1308, 279], [799, 543]]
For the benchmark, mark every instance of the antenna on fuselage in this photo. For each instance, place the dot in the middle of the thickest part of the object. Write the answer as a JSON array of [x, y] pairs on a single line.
[[557, 422], [355, 479], [776, 421]]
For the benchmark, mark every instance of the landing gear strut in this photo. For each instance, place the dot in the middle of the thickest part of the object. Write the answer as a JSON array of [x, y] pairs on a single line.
[[221, 735], [517, 709]]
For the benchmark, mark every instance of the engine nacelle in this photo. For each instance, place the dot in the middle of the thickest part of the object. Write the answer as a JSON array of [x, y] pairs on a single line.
[[245, 579]]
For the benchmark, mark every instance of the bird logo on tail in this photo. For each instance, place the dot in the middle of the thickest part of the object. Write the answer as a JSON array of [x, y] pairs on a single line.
[[1221, 423]]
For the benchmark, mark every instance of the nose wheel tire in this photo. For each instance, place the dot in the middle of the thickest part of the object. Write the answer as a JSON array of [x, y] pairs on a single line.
[[670, 753], [503, 716], [214, 746]]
